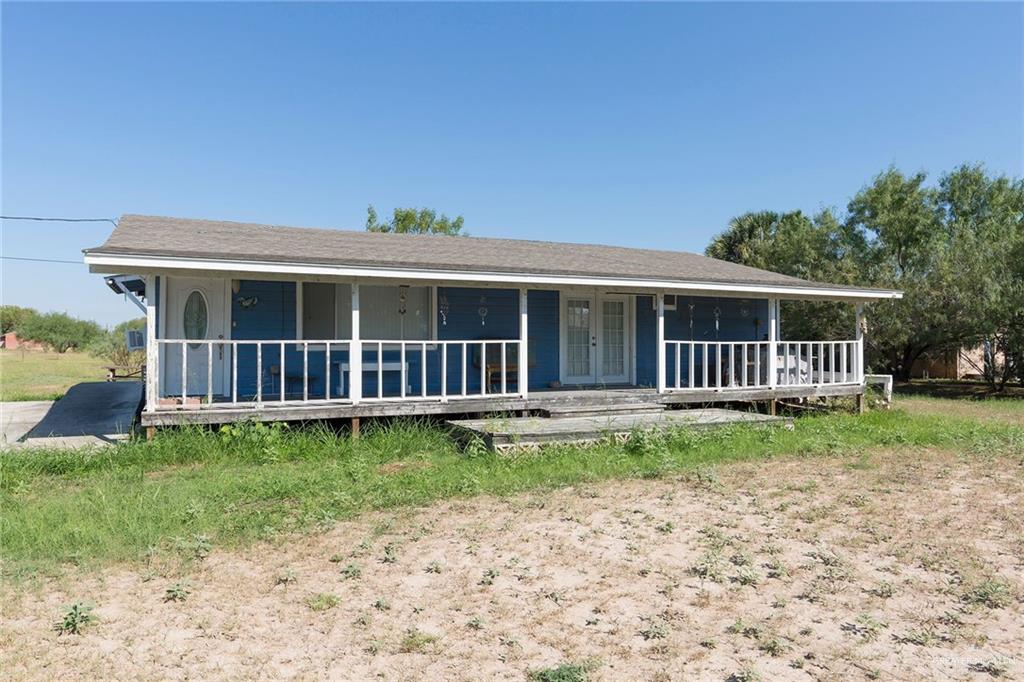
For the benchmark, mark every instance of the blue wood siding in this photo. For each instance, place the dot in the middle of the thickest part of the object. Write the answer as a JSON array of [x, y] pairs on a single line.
[[733, 325], [272, 316]]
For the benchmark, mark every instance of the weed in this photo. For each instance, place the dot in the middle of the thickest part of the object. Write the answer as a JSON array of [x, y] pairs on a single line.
[[322, 601], [434, 567], [351, 571], [382, 605], [995, 667], [708, 643], [489, 575], [415, 641], [884, 589], [866, 626], [772, 646], [75, 618], [710, 566], [924, 636], [285, 577], [993, 593], [655, 629], [362, 620], [666, 527], [475, 623], [565, 672], [747, 575], [746, 674], [390, 553], [179, 591]]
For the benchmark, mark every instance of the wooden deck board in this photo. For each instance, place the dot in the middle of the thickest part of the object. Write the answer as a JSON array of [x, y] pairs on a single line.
[[501, 433], [537, 401]]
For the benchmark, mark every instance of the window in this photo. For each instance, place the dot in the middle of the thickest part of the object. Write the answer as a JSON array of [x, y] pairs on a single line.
[[671, 301], [389, 313], [194, 318]]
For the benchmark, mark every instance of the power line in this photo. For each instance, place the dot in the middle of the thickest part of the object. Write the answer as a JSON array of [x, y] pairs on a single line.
[[43, 260], [60, 220]]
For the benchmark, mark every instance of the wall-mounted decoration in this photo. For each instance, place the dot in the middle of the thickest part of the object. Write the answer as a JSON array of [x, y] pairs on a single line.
[[482, 311], [443, 308], [691, 318], [403, 298], [718, 315], [247, 301], [744, 309]]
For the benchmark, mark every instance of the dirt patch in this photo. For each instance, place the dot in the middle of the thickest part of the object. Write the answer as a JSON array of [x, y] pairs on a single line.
[[898, 565]]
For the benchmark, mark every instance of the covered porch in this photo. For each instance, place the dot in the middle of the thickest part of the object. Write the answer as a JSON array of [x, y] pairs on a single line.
[[223, 348]]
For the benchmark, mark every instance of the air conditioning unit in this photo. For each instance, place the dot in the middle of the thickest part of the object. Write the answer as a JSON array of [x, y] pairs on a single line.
[[135, 339]]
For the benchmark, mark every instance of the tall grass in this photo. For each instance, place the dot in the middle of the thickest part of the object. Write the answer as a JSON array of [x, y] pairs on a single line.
[[253, 481]]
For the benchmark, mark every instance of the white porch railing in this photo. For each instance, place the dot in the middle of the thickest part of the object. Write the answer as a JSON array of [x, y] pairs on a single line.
[[716, 364], [723, 365], [819, 363], [223, 373]]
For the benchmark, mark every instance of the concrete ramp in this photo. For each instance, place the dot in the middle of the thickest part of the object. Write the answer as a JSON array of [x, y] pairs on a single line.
[[89, 413]]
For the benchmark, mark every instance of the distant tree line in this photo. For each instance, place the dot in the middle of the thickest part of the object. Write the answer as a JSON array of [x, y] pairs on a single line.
[[62, 332], [956, 249]]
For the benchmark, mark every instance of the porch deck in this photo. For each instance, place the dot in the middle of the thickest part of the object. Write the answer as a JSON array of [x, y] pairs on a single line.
[[529, 432], [554, 401]]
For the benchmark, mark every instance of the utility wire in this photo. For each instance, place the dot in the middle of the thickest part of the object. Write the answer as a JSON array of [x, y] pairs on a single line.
[[60, 220], [43, 260]]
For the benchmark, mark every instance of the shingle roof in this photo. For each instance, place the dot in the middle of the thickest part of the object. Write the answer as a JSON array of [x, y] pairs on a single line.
[[188, 238]]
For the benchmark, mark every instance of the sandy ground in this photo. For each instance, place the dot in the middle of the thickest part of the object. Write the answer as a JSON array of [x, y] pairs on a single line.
[[872, 567]]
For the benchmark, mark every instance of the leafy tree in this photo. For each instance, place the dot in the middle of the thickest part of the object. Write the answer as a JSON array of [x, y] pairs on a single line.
[[60, 331], [415, 221], [956, 250], [815, 249], [112, 345], [13, 316]]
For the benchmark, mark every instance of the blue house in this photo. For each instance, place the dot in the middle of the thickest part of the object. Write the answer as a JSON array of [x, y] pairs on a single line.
[[283, 323]]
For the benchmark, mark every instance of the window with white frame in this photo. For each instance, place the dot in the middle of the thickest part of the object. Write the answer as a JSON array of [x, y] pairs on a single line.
[[390, 313]]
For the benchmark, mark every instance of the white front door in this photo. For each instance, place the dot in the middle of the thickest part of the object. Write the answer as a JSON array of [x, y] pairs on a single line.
[[580, 339], [195, 309], [613, 340], [595, 339]]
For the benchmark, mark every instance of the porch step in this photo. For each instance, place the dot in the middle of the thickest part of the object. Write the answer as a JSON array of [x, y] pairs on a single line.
[[600, 410], [531, 432]]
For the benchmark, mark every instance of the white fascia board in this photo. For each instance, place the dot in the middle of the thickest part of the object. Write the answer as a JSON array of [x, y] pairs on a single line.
[[105, 263]]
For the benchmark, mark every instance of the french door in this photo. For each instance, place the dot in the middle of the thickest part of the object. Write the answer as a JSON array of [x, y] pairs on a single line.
[[595, 339]]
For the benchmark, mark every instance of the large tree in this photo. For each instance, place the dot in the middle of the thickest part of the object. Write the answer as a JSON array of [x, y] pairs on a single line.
[[415, 221], [60, 331], [956, 250]]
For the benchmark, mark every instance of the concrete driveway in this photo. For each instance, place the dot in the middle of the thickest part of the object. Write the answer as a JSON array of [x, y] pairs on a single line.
[[90, 413]]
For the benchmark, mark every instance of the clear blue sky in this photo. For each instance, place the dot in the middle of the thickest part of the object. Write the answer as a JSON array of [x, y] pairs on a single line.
[[639, 125]]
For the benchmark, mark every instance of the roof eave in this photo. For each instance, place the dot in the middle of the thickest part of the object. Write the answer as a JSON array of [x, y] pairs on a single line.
[[105, 263]]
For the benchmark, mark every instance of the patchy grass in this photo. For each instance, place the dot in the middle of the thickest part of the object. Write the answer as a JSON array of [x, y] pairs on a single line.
[[41, 375], [191, 490], [920, 582]]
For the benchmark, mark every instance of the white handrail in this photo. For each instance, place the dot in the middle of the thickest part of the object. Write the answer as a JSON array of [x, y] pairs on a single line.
[[495, 358], [730, 365]]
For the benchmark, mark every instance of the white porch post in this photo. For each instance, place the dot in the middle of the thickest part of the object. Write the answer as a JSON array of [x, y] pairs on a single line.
[[524, 351], [152, 352], [773, 342], [660, 364], [355, 352], [859, 355]]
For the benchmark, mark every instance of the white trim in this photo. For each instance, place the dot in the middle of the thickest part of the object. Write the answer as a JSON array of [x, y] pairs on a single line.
[[659, 363], [101, 262], [523, 352], [355, 352], [152, 351]]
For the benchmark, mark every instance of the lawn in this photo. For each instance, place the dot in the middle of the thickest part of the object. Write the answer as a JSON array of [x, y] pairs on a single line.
[[887, 545], [39, 375]]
